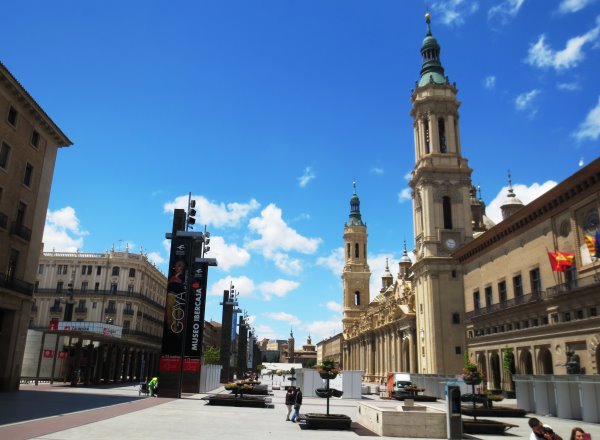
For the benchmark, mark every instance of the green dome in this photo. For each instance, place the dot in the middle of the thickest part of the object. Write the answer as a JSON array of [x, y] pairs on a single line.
[[431, 69], [355, 218]]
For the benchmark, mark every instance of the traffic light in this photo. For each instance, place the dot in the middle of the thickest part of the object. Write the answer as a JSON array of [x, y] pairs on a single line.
[[191, 220]]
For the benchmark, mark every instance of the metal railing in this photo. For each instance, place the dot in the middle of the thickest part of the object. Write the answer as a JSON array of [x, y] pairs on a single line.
[[509, 303], [16, 284], [118, 294]]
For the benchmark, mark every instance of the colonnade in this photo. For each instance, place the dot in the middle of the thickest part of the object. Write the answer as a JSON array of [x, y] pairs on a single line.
[[377, 352]]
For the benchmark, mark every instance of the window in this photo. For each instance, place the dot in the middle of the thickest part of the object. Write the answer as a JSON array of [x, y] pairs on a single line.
[[59, 287], [28, 175], [357, 298], [94, 304], [536, 281], [81, 304], [456, 318], [112, 307], [348, 249], [130, 288], [62, 269], [40, 268], [13, 260], [517, 286], [489, 296], [21, 209], [579, 314], [113, 288], [4, 155], [98, 270], [502, 291], [132, 273], [426, 124], [442, 132], [453, 274], [535, 322], [12, 116], [567, 316], [447, 208], [84, 286], [356, 250], [115, 271], [96, 287], [593, 311], [458, 349], [35, 138], [476, 300]]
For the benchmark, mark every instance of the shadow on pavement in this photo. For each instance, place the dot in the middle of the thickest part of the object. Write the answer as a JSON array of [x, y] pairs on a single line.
[[27, 405]]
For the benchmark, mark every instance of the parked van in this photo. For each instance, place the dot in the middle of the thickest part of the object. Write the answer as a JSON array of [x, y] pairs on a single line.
[[397, 381]]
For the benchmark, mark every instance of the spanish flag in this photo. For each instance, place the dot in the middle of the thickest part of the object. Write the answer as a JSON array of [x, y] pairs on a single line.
[[590, 242], [561, 260]]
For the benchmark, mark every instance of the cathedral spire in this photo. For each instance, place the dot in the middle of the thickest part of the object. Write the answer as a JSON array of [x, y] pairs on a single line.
[[431, 69], [355, 217]]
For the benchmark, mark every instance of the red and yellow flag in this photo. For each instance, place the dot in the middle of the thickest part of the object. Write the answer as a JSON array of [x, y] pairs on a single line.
[[561, 260], [590, 242]]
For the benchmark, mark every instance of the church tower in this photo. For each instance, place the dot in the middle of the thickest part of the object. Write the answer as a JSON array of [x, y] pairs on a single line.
[[356, 273], [441, 184]]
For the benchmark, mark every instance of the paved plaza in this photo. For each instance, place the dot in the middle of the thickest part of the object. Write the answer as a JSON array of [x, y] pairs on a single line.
[[60, 412]]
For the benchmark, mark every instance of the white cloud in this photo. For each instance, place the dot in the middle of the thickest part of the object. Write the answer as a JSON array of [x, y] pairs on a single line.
[[279, 288], [242, 285], [581, 162], [227, 255], [155, 258], [265, 331], [453, 12], [525, 102], [334, 262], [286, 264], [408, 175], [276, 236], [489, 82], [334, 307], [377, 170], [282, 316], [62, 231], [213, 214], [404, 195], [541, 55], [305, 178], [524, 193], [569, 6], [506, 10], [570, 87], [590, 127], [320, 330]]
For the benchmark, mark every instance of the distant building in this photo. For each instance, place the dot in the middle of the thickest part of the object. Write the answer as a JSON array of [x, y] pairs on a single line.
[[331, 348], [29, 142], [120, 289]]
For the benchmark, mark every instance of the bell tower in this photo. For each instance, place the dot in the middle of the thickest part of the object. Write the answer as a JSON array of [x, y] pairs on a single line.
[[356, 273], [441, 184]]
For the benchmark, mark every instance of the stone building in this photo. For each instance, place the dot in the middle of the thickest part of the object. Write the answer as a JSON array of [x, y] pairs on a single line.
[[517, 307], [29, 143], [477, 288], [331, 348], [121, 293]]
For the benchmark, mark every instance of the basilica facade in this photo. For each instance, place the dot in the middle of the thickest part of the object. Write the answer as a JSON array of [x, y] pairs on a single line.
[[475, 289]]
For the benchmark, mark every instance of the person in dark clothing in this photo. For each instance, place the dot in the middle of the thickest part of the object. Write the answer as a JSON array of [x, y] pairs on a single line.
[[297, 404], [289, 401]]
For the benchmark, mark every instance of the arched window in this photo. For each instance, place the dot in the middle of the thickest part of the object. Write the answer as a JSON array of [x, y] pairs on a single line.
[[356, 250], [115, 271], [442, 132], [348, 249], [357, 298], [427, 143], [447, 208]]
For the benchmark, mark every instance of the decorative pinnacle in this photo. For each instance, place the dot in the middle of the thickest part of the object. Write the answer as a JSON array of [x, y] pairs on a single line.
[[428, 21], [354, 185], [511, 193]]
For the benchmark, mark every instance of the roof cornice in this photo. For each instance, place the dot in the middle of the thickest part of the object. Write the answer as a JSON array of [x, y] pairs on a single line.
[[27, 100]]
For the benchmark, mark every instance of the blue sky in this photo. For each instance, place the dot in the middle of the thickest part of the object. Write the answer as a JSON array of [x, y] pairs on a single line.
[[268, 110]]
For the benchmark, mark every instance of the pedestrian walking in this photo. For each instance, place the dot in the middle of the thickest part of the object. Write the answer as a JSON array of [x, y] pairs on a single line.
[[289, 402], [297, 404]]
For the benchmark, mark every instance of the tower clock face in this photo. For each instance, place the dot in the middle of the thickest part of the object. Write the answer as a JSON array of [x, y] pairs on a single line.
[[450, 243]]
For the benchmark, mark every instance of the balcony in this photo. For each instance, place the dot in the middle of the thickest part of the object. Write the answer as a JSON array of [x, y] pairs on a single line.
[[56, 309], [81, 310], [15, 284], [20, 231], [128, 312], [508, 304], [110, 310], [573, 286]]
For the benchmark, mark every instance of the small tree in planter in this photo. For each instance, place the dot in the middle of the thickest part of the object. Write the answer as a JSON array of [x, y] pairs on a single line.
[[471, 376], [508, 365]]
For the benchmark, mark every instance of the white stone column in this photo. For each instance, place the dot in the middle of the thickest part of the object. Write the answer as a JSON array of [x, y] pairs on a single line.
[[434, 133], [450, 134]]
